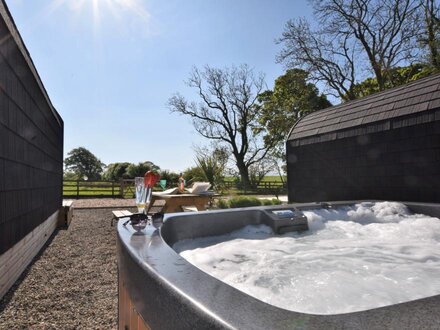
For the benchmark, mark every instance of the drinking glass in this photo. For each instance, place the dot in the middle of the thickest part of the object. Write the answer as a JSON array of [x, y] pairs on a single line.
[[141, 194]]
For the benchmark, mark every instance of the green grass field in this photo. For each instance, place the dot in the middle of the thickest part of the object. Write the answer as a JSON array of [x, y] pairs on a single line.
[[274, 178]]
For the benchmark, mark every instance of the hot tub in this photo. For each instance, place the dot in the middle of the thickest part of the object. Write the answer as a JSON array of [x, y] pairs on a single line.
[[160, 289]]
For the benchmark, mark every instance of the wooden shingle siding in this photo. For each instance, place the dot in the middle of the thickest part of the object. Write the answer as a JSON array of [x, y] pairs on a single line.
[[384, 146], [31, 142], [413, 98]]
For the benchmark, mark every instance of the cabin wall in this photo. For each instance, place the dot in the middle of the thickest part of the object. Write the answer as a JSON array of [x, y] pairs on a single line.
[[402, 163], [31, 143]]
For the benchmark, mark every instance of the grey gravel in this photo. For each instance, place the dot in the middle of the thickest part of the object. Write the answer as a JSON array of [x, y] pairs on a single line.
[[115, 203], [72, 284]]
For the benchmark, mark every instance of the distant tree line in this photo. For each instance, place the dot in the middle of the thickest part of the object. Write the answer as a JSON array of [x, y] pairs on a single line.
[[82, 164]]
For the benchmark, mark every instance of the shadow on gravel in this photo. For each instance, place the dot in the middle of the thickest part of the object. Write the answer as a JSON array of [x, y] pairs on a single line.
[[10, 294], [72, 282]]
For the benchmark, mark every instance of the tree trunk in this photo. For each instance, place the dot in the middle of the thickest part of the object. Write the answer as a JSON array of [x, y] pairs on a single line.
[[379, 76], [431, 20], [244, 173]]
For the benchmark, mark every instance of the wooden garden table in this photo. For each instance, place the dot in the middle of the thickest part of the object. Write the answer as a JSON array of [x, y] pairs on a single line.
[[176, 202]]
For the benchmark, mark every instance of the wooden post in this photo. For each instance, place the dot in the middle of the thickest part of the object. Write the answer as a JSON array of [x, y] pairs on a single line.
[[77, 189], [121, 190], [113, 189]]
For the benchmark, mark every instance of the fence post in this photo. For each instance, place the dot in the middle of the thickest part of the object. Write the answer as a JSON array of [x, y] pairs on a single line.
[[121, 189], [77, 189], [113, 189]]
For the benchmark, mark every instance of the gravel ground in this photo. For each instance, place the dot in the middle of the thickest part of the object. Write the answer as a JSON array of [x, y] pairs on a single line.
[[116, 203], [96, 203], [72, 283]]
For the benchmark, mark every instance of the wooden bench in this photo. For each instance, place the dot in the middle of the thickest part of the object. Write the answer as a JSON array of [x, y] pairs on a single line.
[[189, 208], [119, 214], [181, 202], [65, 215]]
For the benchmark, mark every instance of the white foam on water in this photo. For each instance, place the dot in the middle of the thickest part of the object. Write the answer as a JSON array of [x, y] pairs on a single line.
[[352, 259]]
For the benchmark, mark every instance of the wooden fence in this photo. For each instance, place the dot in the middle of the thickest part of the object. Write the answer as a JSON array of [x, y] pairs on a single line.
[[87, 189], [125, 188], [263, 187]]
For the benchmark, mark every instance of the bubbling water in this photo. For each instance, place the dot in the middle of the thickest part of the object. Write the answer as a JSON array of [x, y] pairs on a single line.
[[353, 258]]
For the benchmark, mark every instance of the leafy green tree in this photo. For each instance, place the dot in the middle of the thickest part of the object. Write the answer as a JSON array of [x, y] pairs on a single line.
[[398, 76], [279, 109], [171, 177], [116, 171], [68, 176], [84, 164], [137, 170]]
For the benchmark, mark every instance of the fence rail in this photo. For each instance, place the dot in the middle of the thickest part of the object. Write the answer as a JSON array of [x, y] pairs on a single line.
[[125, 188], [79, 189], [261, 185]]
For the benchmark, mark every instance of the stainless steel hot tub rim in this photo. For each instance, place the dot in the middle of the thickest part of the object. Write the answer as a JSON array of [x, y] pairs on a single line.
[[169, 292]]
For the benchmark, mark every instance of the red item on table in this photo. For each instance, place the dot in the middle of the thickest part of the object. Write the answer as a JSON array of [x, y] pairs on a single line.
[[150, 179]]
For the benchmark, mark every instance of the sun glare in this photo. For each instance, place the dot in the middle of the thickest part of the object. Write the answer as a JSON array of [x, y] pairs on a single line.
[[101, 9]]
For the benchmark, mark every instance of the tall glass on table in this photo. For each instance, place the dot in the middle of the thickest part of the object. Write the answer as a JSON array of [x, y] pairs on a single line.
[[141, 194]]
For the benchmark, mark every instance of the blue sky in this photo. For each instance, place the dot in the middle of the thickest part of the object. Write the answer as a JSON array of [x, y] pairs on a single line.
[[110, 66]]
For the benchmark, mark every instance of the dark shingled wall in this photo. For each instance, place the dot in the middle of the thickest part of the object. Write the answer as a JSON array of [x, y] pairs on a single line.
[[31, 142], [394, 156]]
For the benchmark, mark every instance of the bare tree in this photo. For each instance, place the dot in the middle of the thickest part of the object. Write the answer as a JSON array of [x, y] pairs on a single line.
[[430, 38], [330, 60], [354, 34], [226, 112]]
